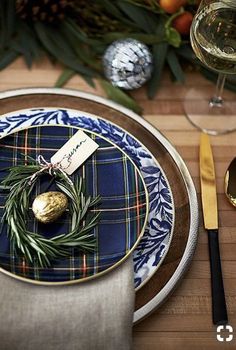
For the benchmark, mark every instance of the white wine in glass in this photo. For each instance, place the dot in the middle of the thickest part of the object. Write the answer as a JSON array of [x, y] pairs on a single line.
[[213, 38]]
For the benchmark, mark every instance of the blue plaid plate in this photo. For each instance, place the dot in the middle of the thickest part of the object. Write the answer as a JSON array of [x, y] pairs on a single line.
[[154, 245], [110, 173]]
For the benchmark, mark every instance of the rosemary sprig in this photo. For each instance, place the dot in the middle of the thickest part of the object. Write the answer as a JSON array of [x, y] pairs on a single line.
[[34, 247]]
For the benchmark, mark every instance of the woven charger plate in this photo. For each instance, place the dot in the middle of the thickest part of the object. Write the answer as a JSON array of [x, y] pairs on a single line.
[[159, 287]]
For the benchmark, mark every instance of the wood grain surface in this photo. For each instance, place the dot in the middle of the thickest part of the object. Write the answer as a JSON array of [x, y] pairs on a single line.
[[184, 321]]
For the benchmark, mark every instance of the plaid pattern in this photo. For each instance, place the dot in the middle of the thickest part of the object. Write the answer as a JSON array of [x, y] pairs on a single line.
[[108, 173]]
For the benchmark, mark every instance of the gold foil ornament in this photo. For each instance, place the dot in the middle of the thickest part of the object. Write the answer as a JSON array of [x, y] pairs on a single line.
[[49, 206]]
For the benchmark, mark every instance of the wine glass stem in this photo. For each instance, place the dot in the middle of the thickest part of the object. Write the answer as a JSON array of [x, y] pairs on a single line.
[[217, 99]]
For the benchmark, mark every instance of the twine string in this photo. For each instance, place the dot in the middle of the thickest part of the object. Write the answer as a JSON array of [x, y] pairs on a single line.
[[50, 168]]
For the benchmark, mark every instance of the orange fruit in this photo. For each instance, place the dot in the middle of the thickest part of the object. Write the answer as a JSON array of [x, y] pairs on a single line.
[[183, 22], [172, 6]]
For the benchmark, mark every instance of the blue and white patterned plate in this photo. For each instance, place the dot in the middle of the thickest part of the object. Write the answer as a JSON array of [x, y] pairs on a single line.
[[154, 245]]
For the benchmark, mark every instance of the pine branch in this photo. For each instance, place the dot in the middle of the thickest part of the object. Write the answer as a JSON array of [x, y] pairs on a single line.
[[33, 246]]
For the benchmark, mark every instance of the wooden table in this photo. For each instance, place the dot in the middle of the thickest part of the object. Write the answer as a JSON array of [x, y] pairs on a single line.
[[184, 322]]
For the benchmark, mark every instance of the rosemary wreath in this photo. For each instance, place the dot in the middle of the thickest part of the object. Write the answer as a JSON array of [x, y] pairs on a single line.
[[20, 182]]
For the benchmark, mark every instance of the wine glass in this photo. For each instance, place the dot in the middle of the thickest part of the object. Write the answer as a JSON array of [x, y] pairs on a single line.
[[213, 38]]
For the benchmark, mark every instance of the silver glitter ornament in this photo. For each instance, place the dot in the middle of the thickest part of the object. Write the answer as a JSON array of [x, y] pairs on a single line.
[[127, 63]]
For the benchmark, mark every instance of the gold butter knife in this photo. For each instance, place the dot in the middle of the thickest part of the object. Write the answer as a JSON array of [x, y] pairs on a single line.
[[210, 215]]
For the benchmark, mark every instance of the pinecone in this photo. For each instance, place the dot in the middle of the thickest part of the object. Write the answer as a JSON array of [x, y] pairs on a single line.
[[43, 10], [93, 18]]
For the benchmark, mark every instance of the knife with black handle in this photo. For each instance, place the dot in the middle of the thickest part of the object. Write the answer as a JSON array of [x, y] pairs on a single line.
[[210, 215]]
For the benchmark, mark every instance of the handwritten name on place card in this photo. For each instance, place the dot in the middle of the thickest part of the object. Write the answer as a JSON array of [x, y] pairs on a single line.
[[74, 152]]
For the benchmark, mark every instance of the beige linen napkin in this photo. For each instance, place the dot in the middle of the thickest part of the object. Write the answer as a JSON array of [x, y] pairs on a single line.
[[96, 315]]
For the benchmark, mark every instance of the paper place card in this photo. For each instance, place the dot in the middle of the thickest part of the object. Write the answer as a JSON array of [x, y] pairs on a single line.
[[74, 152]]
